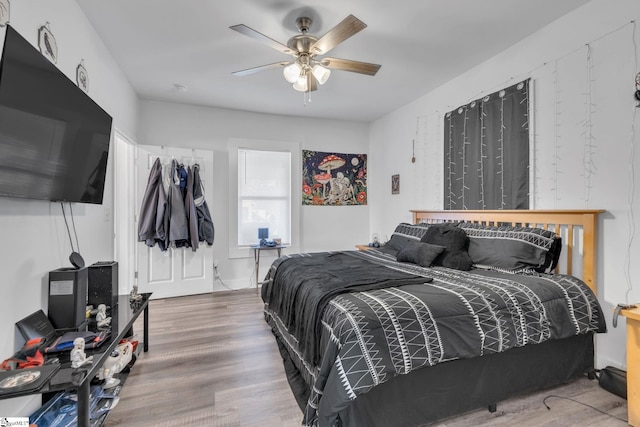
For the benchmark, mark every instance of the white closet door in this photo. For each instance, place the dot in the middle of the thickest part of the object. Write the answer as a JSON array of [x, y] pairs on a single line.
[[180, 271]]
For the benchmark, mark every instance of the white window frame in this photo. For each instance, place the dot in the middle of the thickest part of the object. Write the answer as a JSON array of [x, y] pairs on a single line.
[[236, 251]]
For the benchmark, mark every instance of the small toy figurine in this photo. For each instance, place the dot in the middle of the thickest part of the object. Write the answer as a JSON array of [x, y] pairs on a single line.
[[109, 369], [78, 358], [101, 317], [134, 296]]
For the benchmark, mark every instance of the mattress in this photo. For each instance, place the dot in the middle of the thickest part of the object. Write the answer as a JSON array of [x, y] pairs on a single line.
[[350, 321]]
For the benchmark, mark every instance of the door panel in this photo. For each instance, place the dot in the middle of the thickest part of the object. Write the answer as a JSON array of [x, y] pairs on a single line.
[[177, 271], [159, 268], [193, 266]]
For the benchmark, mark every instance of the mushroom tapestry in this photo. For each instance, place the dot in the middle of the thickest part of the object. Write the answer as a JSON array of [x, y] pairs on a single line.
[[333, 179]]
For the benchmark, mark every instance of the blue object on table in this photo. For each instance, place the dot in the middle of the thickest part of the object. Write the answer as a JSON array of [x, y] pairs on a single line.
[[263, 235]]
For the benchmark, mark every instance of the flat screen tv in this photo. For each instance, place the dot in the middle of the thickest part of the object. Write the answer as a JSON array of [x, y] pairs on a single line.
[[54, 139]]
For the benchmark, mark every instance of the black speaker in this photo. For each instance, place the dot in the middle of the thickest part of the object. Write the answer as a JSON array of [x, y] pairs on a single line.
[[68, 297], [614, 380], [103, 283]]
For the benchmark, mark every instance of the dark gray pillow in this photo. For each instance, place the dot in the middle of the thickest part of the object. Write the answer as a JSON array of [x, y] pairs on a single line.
[[420, 253], [455, 241], [404, 234], [512, 248]]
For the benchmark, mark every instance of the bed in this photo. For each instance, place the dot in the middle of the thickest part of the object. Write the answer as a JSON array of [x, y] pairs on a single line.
[[459, 310]]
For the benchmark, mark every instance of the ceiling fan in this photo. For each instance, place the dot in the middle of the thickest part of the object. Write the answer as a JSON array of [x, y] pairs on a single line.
[[309, 68]]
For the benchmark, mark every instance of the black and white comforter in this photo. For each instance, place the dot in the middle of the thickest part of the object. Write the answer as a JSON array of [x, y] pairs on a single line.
[[352, 320]]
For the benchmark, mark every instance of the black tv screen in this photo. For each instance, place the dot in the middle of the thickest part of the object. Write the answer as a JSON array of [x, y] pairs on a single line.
[[54, 139]]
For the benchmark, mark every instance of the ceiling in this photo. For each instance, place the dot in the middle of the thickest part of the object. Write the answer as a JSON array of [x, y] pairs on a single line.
[[420, 44]]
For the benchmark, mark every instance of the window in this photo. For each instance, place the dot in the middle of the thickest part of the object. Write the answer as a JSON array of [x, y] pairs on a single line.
[[264, 195], [265, 178]]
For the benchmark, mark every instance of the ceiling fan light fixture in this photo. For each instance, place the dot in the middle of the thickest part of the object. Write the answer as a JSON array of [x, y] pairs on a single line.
[[305, 72], [292, 72], [301, 84], [321, 73]]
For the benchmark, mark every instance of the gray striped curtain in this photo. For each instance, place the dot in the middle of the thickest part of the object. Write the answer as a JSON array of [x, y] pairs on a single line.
[[486, 152]]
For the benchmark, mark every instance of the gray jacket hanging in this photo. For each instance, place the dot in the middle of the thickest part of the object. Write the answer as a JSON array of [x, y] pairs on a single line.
[[192, 214], [206, 230], [151, 224], [177, 234]]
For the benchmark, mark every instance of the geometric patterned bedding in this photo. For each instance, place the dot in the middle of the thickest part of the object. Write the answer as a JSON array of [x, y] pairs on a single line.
[[368, 337]]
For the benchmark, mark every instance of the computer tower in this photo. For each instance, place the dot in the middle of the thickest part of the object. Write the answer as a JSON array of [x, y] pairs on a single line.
[[103, 283], [68, 297]]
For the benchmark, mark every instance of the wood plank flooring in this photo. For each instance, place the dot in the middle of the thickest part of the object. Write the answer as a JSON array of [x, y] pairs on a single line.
[[213, 361]]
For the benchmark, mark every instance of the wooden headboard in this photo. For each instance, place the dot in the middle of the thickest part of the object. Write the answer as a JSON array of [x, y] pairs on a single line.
[[578, 229]]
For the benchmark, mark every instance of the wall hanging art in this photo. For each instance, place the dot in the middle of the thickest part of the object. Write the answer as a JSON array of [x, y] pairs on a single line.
[[395, 184], [4, 12], [333, 179], [82, 77], [47, 43]]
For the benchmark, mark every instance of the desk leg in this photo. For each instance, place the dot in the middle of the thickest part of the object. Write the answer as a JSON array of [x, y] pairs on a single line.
[[83, 403], [256, 255], [145, 335], [633, 371]]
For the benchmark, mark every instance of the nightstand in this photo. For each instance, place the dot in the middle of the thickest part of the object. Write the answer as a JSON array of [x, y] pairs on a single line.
[[633, 367], [364, 247]]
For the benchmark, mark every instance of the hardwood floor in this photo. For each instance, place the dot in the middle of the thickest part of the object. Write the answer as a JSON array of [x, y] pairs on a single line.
[[213, 361]]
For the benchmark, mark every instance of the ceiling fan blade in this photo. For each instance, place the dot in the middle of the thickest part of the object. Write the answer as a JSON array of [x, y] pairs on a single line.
[[349, 65], [260, 68], [345, 29], [247, 31]]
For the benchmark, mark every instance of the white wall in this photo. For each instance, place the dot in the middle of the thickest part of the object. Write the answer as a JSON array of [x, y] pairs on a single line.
[[33, 232], [322, 227], [583, 149]]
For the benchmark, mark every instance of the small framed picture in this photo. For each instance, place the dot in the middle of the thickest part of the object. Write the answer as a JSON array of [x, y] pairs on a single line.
[[82, 77], [47, 44], [4, 12], [395, 184]]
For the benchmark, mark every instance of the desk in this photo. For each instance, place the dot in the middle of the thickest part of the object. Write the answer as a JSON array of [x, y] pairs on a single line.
[[633, 367], [256, 256], [123, 316]]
